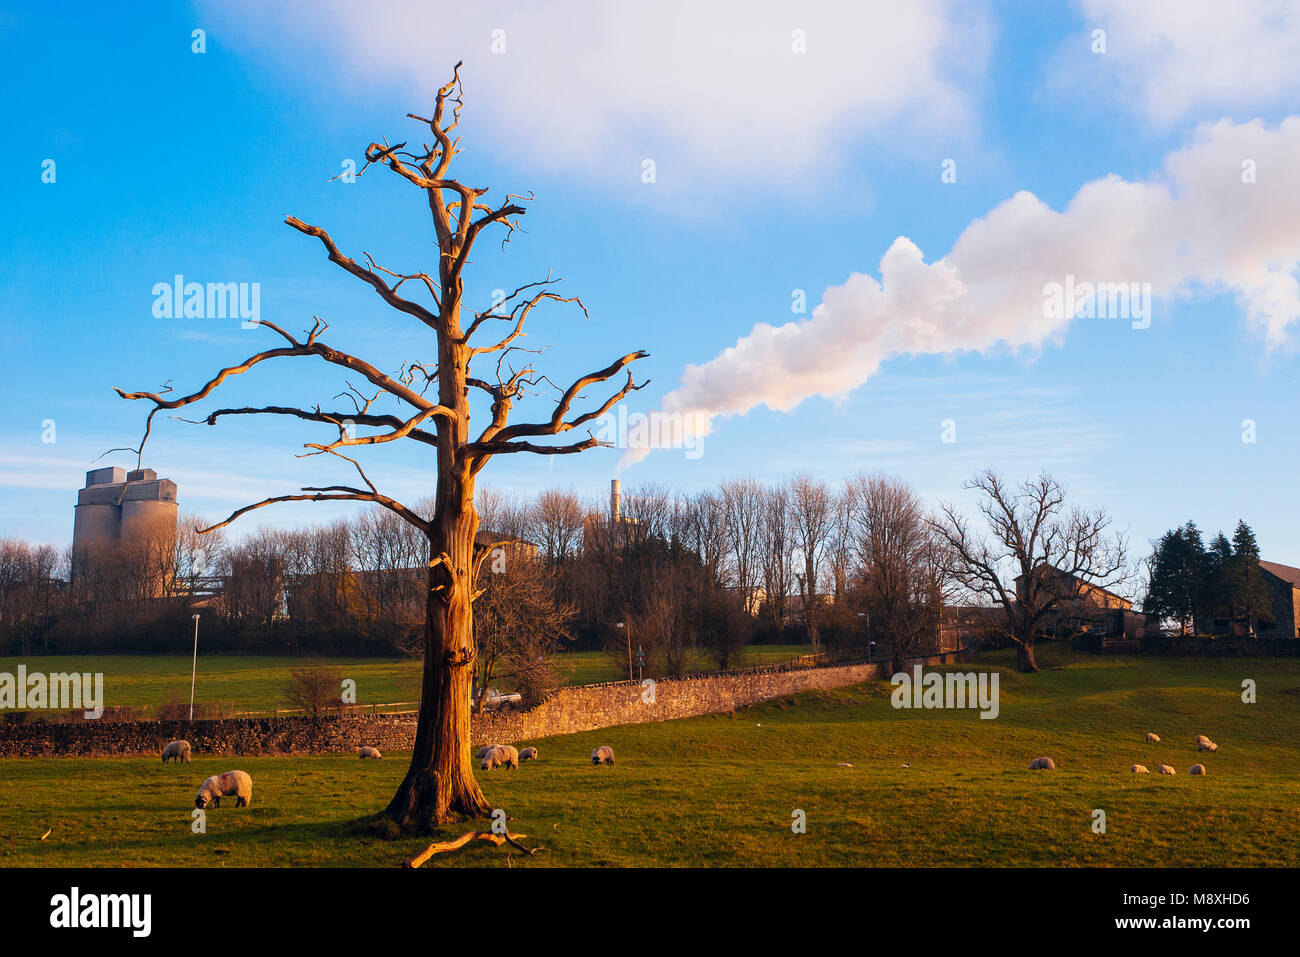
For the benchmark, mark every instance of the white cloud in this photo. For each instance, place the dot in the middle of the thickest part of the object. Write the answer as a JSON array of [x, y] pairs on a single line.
[[1179, 59], [1195, 227], [711, 87]]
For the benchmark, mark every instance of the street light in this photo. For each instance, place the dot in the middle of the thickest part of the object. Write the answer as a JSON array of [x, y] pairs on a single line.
[[194, 666], [628, 631]]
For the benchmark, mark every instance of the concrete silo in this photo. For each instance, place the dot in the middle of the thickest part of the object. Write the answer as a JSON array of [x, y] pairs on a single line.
[[119, 508]]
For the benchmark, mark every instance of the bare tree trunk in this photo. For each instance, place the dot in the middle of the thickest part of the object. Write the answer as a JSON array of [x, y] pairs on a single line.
[[440, 783], [1025, 662]]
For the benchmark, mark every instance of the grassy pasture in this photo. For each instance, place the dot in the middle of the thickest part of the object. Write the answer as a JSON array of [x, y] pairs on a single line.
[[721, 790], [257, 683]]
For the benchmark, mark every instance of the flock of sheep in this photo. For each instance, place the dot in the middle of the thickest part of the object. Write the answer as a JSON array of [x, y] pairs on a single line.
[[1202, 744], [504, 756], [239, 785]]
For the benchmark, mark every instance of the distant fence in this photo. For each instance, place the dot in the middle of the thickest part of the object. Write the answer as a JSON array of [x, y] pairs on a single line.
[[571, 709]]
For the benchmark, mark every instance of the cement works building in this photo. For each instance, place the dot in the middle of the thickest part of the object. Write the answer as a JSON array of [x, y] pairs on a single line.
[[118, 507]]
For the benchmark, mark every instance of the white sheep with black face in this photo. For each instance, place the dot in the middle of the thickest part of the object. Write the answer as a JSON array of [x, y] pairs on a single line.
[[1153, 737], [366, 751], [236, 784], [1196, 769], [501, 756], [177, 751], [528, 754], [603, 755], [1042, 764], [481, 753], [1166, 769], [1140, 769]]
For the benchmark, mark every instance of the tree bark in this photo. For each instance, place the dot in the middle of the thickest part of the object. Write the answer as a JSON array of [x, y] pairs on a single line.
[[1025, 662], [440, 785]]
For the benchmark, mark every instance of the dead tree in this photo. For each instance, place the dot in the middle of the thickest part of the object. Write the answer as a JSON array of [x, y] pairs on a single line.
[[440, 782], [1038, 558]]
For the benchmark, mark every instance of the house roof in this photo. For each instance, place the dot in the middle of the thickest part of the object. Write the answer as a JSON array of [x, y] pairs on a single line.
[[1285, 572], [1098, 588]]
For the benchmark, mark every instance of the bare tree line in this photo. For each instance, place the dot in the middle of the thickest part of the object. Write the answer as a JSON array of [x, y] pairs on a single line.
[[835, 565]]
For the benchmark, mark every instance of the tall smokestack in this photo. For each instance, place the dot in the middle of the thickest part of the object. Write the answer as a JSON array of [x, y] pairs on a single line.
[[614, 503]]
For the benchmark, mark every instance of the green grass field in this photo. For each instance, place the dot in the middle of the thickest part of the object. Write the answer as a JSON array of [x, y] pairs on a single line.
[[720, 791], [256, 684]]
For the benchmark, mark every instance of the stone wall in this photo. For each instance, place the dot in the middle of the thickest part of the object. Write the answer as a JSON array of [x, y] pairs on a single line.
[[1223, 646], [582, 708]]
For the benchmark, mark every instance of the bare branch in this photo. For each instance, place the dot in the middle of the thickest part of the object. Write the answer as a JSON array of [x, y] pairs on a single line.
[[388, 293]]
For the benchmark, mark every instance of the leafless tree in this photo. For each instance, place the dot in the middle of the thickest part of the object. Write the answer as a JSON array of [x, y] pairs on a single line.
[[650, 506], [776, 553], [504, 515], [440, 781], [899, 559], [1037, 556], [555, 523], [519, 621], [812, 523], [839, 550], [742, 507], [314, 688], [27, 589], [705, 532]]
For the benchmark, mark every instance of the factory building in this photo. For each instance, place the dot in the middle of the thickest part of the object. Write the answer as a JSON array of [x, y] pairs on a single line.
[[118, 508]]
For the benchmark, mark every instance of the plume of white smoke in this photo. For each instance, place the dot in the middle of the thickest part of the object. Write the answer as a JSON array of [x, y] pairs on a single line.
[[1220, 216]]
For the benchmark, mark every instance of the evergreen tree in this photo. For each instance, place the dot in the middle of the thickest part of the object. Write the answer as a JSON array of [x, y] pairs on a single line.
[[1250, 592], [1217, 597], [1178, 577]]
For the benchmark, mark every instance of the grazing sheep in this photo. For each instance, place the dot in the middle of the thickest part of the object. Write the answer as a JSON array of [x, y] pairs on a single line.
[[528, 754], [1153, 737], [844, 764], [1196, 769], [1166, 769], [1140, 769], [503, 755], [603, 755], [481, 753], [178, 751], [1206, 745], [1042, 764], [236, 783], [366, 751]]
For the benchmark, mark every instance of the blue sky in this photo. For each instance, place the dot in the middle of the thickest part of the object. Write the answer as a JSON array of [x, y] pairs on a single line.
[[774, 173]]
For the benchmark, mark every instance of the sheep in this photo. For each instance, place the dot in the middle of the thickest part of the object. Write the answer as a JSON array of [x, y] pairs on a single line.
[[1206, 745], [1139, 769], [481, 753], [178, 751], [1196, 769], [603, 755], [844, 764], [528, 754], [1042, 764], [503, 755], [1154, 738], [236, 783], [366, 751], [1166, 769]]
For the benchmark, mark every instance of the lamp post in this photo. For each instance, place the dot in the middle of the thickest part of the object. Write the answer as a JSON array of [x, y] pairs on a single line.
[[628, 632], [194, 665]]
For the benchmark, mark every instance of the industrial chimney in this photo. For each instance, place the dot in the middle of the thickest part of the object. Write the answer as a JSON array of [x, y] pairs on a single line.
[[614, 503]]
